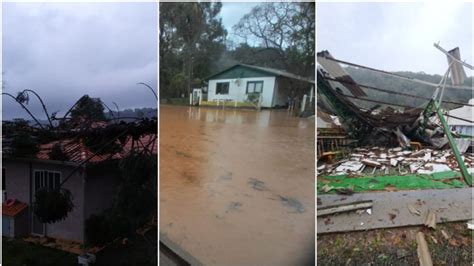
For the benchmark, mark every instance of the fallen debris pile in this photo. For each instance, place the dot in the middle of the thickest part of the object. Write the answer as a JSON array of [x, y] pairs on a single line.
[[377, 160], [378, 169]]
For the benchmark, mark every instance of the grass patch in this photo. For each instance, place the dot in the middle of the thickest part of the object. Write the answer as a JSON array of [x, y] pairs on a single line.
[[19, 252], [396, 246]]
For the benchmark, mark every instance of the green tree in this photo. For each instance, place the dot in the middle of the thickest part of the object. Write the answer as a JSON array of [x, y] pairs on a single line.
[[88, 109], [286, 29], [191, 39]]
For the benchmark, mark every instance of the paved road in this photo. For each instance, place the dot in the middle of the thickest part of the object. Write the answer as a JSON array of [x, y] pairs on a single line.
[[390, 209]]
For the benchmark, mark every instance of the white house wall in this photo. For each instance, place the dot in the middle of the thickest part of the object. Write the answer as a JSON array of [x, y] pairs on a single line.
[[237, 90]]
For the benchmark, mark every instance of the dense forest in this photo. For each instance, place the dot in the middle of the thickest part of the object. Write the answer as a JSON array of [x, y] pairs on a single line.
[[194, 43], [383, 81]]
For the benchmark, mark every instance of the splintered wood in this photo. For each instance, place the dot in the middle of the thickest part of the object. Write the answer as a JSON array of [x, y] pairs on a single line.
[[430, 219], [424, 256]]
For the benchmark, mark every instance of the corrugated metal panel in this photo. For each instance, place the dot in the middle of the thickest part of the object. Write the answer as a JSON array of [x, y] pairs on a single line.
[[335, 70]]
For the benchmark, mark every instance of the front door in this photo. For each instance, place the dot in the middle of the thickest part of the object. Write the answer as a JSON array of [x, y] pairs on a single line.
[[38, 228], [43, 180]]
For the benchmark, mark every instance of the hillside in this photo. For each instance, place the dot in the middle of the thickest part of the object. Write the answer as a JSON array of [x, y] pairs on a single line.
[[379, 80]]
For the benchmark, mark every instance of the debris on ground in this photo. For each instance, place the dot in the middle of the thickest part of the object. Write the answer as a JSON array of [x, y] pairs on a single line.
[[430, 220], [445, 235], [422, 250], [412, 210], [424, 161], [470, 225], [345, 208], [392, 169]]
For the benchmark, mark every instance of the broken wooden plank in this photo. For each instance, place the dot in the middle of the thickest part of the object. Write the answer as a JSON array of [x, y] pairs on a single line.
[[344, 208], [430, 219], [424, 255]]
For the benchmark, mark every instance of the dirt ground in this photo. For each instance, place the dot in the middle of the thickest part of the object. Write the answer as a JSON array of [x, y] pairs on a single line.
[[397, 246]]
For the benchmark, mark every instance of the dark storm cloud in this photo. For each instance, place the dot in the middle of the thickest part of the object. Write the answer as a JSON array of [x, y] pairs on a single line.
[[64, 51]]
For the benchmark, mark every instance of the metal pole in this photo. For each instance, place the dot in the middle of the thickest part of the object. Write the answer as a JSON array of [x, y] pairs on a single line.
[[454, 147], [452, 57]]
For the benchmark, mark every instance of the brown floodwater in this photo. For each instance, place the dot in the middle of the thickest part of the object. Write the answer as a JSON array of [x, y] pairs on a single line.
[[237, 186]]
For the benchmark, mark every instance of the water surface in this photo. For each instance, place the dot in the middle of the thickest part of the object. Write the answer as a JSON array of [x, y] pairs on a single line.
[[237, 186]]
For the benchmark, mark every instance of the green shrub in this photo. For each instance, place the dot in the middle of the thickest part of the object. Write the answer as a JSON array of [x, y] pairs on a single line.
[[51, 206]]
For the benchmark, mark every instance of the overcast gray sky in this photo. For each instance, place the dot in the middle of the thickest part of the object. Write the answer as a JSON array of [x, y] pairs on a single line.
[[64, 51], [232, 12], [395, 36]]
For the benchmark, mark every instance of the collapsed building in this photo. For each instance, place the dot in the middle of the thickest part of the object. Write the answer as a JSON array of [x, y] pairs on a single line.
[[389, 131]]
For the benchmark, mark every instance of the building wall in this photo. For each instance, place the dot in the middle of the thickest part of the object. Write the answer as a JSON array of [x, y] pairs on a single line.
[[280, 97], [21, 223], [237, 90], [18, 186], [101, 187]]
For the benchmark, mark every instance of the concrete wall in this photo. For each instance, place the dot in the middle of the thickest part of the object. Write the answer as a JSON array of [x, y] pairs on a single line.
[[237, 91]]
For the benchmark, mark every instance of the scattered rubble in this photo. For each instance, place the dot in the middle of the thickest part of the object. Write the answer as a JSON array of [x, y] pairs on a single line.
[[398, 161]]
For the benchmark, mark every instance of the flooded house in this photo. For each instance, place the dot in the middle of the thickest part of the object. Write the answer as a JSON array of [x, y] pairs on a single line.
[[241, 81], [93, 186]]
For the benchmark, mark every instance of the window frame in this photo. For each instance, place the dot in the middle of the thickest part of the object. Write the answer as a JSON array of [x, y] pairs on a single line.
[[217, 87], [255, 82], [46, 178]]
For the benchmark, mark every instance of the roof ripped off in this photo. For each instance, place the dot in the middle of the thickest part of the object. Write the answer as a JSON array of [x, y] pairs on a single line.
[[77, 152], [336, 84], [339, 74], [260, 71]]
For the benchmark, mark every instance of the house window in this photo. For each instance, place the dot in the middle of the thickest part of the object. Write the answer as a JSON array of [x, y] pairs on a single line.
[[222, 88], [47, 179], [254, 87]]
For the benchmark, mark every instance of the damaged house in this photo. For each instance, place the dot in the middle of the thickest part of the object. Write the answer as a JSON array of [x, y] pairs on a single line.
[[93, 188]]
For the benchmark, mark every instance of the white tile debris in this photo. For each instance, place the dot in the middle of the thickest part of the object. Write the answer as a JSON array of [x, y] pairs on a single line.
[[396, 161]]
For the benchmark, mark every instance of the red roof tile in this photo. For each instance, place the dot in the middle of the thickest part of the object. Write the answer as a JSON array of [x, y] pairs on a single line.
[[14, 209], [78, 152]]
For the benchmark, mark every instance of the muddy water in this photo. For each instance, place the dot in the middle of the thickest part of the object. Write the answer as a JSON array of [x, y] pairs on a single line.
[[237, 186]]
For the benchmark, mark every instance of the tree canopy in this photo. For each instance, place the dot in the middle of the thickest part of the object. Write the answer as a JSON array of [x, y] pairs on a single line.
[[87, 108], [195, 44], [191, 39]]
